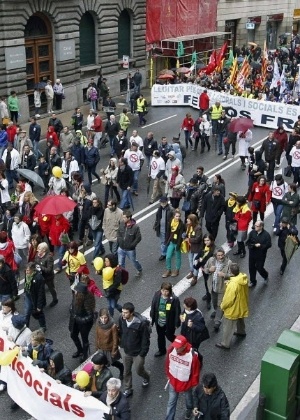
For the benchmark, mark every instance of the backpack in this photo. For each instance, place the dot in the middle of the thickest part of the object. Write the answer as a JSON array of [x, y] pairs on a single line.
[[124, 275], [148, 324]]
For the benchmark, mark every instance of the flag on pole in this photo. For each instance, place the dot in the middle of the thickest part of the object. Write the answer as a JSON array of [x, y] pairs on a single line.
[[283, 80], [211, 64], [221, 54], [242, 75], [264, 62], [229, 61], [180, 49], [276, 76], [233, 71], [194, 58], [296, 88]]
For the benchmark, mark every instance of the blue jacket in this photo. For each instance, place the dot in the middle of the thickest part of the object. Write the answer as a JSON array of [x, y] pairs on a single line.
[[78, 152], [3, 138], [92, 156], [34, 132]]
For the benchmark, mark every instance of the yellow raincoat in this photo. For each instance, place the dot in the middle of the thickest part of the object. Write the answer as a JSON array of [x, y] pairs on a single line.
[[235, 300]]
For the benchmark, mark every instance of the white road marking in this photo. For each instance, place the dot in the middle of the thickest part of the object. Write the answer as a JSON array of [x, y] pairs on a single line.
[[157, 122]]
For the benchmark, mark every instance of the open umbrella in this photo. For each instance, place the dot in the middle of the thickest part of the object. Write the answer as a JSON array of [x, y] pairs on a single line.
[[285, 50], [31, 176], [167, 71], [166, 77], [55, 204], [183, 70], [240, 124]]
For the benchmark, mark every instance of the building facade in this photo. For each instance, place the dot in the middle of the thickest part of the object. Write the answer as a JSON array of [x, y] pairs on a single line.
[[70, 40], [257, 20]]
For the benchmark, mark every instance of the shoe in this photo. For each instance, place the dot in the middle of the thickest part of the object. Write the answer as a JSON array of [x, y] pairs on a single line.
[[150, 202], [37, 115], [252, 284], [2, 387], [239, 334], [225, 157], [213, 315], [193, 149], [208, 306], [53, 303], [14, 406], [275, 230], [242, 255], [162, 257], [58, 270], [102, 252], [166, 274], [266, 281], [204, 297], [281, 271], [220, 153], [190, 275], [277, 166], [175, 273], [76, 354], [99, 181], [159, 353], [135, 193], [128, 393], [233, 156], [138, 273], [217, 327], [83, 358], [145, 383], [194, 281], [220, 346], [230, 244]]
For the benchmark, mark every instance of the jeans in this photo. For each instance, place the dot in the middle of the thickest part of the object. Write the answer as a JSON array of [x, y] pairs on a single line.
[[97, 138], [220, 142], [91, 170], [94, 104], [36, 149], [163, 246], [296, 174], [173, 397], [111, 143], [29, 308], [277, 211], [131, 254], [170, 251], [187, 137], [97, 238], [139, 364], [113, 304], [125, 199], [141, 118], [113, 247], [61, 249], [191, 256], [11, 175], [135, 185]]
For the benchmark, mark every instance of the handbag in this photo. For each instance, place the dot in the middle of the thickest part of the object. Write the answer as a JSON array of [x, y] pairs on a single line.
[[186, 206], [94, 222], [17, 258], [64, 238], [5, 121], [177, 193], [287, 171], [225, 140], [185, 247]]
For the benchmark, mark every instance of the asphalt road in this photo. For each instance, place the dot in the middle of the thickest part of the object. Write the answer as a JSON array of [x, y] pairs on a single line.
[[272, 308]]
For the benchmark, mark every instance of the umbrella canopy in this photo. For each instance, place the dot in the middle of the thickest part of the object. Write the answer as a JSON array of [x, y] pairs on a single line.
[[55, 204], [167, 71], [183, 70], [291, 244], [31, 176], [240, 124], [285, 50], [165, 76]]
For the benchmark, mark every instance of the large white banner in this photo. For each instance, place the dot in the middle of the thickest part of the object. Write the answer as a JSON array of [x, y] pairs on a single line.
[[42, 397], [264, 114]]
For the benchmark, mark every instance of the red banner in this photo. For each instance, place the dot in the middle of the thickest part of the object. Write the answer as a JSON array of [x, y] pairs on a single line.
[[171, 19]]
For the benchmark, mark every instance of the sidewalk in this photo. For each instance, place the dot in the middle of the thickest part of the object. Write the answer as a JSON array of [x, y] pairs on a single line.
[[65, 117]]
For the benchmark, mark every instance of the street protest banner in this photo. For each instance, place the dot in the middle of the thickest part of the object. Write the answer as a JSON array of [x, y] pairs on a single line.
[[41, 396], [263, 113]]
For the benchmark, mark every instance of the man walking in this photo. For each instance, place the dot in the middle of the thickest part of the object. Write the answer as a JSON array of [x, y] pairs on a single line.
[[156, 173], [213, 208], [235, 305], [135, 160], [183, 372], [162, 224], [35, 136], [259, 241], [92, 158], [271, 148], [295, 156], [11, 158], [128, 236], [125, 181], [135, 342], [113, 216]]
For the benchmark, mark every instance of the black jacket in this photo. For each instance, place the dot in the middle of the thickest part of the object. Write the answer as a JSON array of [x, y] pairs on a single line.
[[99, 213], [84, 313], [60, 373], [120, 144], [169, 213], [56, 123], [149, 146], [125, 177], [212, 407], [34, 132], [112, 129], [205, 259], [194, 333], [135, 339], [282, 235], [172, 312], [31, 161], [37, 291], [120, 407], [179, 231], [101, 379], [128, 235], [46, 265], [8, 284], [213, 207], [77, 151], [263, 238], [271, 153]]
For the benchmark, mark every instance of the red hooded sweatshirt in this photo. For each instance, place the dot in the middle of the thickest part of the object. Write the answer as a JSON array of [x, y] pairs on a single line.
[[51, 134], [188, 374]]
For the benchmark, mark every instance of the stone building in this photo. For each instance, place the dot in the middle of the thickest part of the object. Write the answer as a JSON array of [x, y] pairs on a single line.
[[71, 40]]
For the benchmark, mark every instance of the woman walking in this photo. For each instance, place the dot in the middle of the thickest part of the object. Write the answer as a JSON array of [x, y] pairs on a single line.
[[175, 186], [260, 196], [244, 139], [193, 236], [242, 216], [230, 223], [174, 243], [187, 126], [220, 183], [109, 179], [112, 283], [192, 322], [96, 213]]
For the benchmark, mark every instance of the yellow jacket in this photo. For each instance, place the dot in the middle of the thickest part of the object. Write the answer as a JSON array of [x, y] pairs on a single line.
[[235, 300]]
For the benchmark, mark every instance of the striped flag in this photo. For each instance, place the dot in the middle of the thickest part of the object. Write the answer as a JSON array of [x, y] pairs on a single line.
[[283, 80], [233, 71], [296, 88], [264, 63], [276, 76], [242, 75]]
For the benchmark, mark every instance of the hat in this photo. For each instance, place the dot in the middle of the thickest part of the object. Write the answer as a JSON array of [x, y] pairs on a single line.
[[3, 237], [78, 131], [285, 220], [179, 341], [163, 199], [172, 153], [83, 269], [233, 194], [18, 321], [81, 287]]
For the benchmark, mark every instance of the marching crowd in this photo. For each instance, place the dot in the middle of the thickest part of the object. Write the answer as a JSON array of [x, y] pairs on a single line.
[[29, 239]]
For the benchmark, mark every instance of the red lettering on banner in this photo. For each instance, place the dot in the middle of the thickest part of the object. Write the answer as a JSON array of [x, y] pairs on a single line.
[[55, 400], [28, 378], [1, 344], [180, 361], [37, 384], [78, 411], [66, 401]]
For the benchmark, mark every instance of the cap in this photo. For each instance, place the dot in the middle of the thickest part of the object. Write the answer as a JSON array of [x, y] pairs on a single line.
[[285, 220], [179, 341], [163, 199], [18, 321], [83, 269], [81, 287]]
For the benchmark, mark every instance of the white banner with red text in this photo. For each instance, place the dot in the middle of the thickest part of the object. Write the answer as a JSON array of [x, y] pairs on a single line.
[[263, 113], [41, 396]]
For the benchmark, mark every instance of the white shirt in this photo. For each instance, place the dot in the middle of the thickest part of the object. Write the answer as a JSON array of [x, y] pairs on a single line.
[[20, 234], [134, 159], [90, 121], [295, 153], [74, 167], [278, 191], [156, 165], [5, 197], [138, 140], [15, 158], [49, 92]]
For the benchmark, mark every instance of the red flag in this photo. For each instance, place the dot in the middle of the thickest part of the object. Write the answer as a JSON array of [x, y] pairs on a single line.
[[221, 54], [211, 64]]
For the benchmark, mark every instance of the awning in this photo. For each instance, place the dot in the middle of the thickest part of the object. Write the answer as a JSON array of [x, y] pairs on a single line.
[[196, 36], [275, 18]]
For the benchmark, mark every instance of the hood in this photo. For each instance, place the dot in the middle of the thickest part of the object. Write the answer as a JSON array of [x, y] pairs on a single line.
[[204, 117], [257, 155], [87, 188], [79, 132], [241, 279], [131, 223], [51, 129], [58, 360], [114, 160]]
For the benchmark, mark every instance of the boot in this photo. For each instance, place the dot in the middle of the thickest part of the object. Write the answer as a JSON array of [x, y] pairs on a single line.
[[239, 250], [194, 281], [166, 274], [175, 273], [243, 250], [190, 275]]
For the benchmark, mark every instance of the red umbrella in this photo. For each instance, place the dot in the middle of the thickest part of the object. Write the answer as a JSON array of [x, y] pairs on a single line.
[[55, 204], [165, 76], [240, 124], [183, 70]]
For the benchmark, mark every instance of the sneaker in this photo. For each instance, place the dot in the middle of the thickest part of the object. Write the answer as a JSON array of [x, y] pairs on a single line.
[[266, 281], [138, 273], [277, 166], [37, 115], [128, 393], [225, 157], [145, 383], [213, 315], [274, 230], [252, 284]]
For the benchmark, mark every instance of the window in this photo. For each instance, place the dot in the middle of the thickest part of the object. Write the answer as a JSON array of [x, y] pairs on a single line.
[[124, 34], [87, 40]]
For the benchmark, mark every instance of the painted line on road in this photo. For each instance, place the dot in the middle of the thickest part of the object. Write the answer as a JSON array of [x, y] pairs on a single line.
[[156, 122]]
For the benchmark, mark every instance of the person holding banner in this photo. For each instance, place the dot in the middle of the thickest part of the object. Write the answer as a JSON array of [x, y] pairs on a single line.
[[115, 400]]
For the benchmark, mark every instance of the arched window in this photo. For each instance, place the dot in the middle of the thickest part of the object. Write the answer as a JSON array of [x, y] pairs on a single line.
[[124, 34], [87, 40]]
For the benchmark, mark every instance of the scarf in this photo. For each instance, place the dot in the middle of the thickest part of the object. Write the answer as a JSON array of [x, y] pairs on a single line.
[[231, 202], [28, 281], [110, 400], [106, 326], [174, 225], [219, 265], [189, 231], [172, 180], [242, 209], [206, 251]]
